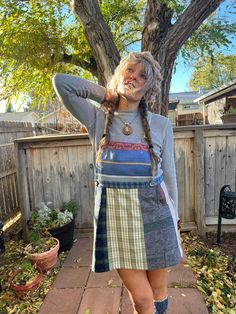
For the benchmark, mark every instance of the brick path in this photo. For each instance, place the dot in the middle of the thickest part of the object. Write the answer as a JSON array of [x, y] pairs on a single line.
[[77, 290]]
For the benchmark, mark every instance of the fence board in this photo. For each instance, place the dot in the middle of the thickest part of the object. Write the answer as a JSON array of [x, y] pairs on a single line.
[[220, 169], [199, 181], [35, 169], [185, 178], [230, 173], [209, 174], [8, 199]]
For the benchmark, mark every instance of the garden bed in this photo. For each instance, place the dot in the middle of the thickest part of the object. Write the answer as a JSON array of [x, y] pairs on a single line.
[[227, 243]]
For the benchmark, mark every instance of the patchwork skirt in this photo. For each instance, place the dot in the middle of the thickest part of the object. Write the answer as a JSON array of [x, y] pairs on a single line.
[[135, 228]]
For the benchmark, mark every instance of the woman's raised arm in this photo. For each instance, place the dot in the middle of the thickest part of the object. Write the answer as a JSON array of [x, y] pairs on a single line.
[[74, 92]]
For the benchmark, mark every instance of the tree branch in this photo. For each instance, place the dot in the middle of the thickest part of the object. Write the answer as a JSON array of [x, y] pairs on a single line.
[[89, 66], [188, 22], [157, 22], [131, 42], [99, 37]]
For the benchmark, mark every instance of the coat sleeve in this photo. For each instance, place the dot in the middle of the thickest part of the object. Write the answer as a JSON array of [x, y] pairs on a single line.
[[168, 166], [74, 93]]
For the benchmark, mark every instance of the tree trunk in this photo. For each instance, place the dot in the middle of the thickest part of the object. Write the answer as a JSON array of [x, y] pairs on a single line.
[[164, 39], [99, 37]]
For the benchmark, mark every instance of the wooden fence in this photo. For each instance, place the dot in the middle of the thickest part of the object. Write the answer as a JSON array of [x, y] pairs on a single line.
[[205, 161], [59, 168], [9, 131], [9, 204]]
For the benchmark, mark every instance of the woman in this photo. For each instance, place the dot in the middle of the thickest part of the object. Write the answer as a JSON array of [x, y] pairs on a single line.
[[136, 218]]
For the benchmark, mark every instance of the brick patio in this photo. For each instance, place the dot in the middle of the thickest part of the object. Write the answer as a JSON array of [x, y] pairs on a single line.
[[77, 290]]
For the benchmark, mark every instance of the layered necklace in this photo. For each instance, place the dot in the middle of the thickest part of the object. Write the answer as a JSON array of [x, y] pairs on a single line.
[[127, 128]]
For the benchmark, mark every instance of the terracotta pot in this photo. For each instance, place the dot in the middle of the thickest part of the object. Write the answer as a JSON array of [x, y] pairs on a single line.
[[45, 260], [32, 285]]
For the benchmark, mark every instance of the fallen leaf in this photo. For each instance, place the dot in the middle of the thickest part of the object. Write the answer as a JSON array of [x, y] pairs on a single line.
[[77, 260]]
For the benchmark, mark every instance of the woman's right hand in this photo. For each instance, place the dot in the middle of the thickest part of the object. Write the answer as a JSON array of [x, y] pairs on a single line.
[[111, 98]]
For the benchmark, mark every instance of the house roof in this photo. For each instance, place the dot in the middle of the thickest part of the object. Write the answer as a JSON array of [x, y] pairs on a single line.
[[185, 97], [228, 89], [18, 116], [48, 115]]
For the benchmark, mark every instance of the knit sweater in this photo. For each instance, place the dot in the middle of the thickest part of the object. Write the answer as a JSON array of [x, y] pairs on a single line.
[[83, 99]]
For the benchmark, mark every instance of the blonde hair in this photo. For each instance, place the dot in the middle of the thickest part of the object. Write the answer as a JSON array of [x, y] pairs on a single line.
[[152, 88], [152, 71]]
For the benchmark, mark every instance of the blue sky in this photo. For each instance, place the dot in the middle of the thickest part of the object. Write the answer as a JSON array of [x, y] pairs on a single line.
[[179, 82]]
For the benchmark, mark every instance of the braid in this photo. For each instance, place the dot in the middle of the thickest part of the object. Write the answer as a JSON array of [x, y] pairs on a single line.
[[106, 135], [143, 113]]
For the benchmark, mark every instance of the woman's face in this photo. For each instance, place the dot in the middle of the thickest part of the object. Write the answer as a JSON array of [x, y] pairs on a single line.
[[132, 81]]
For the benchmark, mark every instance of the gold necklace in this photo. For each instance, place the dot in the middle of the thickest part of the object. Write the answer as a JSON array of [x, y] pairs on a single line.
[[127, 128]]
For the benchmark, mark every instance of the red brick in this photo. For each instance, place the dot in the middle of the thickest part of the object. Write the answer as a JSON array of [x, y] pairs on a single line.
[[80, 254], [181, 275], [107, 279], [61, 301], [72, 277], [101, 301]]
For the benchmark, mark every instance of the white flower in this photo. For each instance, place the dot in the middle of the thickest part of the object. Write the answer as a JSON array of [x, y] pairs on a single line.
[[64, 217]]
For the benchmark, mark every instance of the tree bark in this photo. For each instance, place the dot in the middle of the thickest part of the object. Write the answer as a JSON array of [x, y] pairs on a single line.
[[164, 39], [99, 37]]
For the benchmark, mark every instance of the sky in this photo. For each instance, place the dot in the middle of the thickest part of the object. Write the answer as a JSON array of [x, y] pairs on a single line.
[[179, 81]]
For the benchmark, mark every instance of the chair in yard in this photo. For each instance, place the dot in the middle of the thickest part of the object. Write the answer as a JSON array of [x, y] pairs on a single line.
[[227, 207]]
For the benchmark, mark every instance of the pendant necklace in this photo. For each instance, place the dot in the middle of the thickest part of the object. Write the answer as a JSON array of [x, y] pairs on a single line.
[[127, 128]]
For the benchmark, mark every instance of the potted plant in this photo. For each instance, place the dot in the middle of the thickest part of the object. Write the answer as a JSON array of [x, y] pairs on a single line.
[[228, 115], [42, 251], [27, 278], [57, 222]]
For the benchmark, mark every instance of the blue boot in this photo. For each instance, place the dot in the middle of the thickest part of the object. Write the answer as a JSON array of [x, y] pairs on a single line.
[[161, 306]]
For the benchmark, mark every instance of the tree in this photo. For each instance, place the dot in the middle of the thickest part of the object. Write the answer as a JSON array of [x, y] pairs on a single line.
[[10, 108], [212, 73], [39, 38]]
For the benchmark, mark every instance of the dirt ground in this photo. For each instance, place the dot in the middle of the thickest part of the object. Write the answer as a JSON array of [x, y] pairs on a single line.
[[227, 243]]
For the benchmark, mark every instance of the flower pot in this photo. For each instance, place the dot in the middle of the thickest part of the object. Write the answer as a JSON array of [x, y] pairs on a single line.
[[32, 285], [45, 260], [228, 118], [65, 235]]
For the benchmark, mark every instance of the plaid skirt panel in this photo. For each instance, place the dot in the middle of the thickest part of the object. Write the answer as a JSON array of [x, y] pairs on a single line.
[[135, 229]]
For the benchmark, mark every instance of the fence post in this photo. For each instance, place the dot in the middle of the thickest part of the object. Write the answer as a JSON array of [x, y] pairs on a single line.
[[199, 181], [22, 183]]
